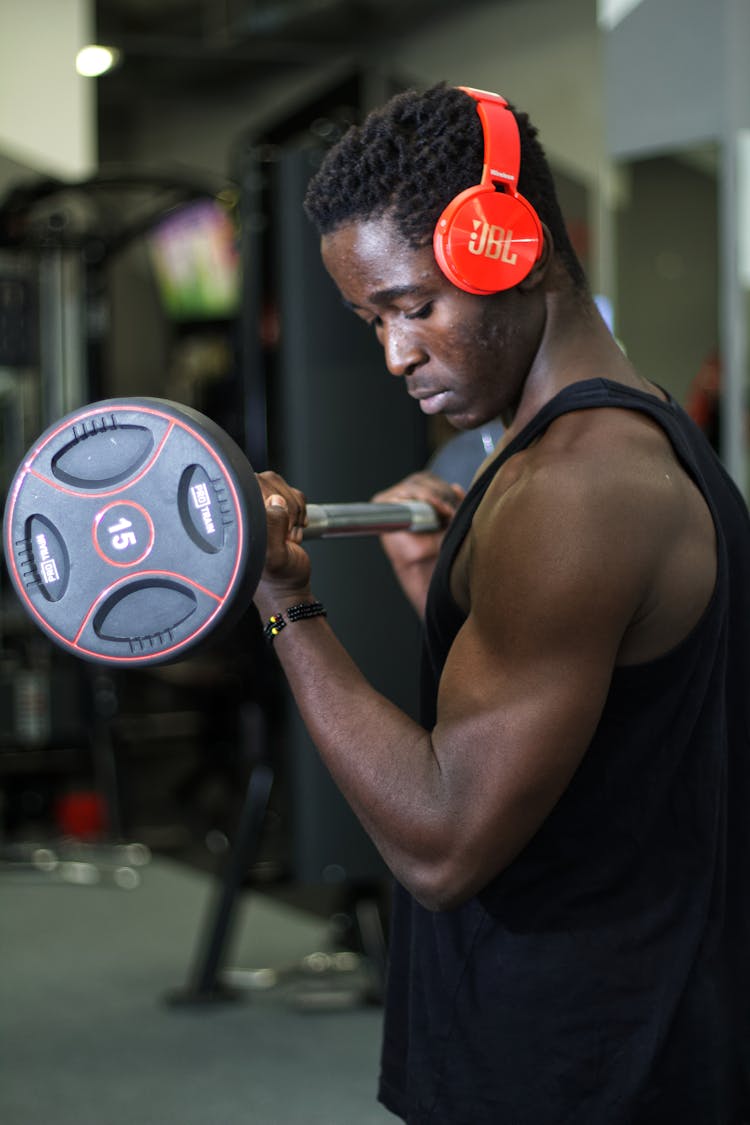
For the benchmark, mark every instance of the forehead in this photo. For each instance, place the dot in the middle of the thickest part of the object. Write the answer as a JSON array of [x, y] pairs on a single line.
[[370, 259]]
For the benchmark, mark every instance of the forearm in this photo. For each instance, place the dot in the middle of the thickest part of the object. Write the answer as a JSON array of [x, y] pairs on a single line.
[[381, 759], [413, 555], [383, 762], [414, 579]]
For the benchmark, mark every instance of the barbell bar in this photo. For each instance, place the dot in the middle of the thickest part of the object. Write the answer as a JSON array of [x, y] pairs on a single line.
[[135, 529], [368, 518]]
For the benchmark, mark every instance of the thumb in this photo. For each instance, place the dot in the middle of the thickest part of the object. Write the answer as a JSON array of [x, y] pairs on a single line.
[[277, 515], [277, 530]]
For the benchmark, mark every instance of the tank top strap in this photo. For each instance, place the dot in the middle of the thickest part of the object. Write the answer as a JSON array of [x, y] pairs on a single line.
[[586, 395]]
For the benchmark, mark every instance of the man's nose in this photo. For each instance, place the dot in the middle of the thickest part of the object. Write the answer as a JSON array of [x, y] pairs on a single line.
[[403, 354]]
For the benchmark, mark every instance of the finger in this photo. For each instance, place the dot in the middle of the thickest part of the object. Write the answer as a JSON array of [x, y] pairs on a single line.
[[296, 514], [276, 500], [277, 519], [272, 484], [444, 502], [444, 496], [299, 518]]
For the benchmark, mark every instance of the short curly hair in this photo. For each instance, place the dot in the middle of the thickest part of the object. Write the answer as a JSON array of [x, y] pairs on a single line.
[[412, 156]]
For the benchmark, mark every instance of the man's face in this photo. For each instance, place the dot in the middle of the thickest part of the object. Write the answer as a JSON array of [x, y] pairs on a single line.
[[460, 355]]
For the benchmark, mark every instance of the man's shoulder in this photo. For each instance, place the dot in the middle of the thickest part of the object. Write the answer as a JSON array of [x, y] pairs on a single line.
[[578, 447], [604, 446], [591, 473]]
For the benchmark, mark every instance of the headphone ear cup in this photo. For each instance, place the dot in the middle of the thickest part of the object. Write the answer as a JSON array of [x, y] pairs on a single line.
[[487, 240]]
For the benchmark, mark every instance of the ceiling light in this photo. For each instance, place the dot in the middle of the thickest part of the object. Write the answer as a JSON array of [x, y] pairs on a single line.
[[94, 60]]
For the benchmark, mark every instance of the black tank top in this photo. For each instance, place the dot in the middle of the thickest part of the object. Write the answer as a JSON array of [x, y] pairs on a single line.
[[603, 978]]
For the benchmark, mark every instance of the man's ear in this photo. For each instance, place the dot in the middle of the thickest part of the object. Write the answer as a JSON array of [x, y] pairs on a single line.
[[539, 270]]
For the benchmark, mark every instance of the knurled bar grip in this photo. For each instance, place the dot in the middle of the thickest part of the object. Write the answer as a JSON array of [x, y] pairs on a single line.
[[328, 520]]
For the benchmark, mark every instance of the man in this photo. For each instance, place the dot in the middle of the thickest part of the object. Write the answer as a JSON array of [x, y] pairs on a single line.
[[567, 825]]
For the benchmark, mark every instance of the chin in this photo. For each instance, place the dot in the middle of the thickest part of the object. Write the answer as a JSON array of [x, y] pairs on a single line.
[[464, 421], [458, 421]]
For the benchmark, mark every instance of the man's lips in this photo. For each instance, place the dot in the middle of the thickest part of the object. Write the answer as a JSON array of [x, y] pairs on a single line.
[[431, 402]]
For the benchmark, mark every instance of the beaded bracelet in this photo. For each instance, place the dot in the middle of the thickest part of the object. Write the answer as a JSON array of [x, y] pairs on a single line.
[[294, 613]]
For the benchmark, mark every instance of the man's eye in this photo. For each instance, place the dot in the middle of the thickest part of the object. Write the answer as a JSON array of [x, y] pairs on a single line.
[[421, 313]]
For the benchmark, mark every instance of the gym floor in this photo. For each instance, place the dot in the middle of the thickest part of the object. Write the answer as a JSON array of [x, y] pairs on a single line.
[[91, 1034]]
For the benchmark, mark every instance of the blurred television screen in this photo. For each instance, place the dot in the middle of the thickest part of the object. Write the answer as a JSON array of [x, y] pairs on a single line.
[[195, 258]]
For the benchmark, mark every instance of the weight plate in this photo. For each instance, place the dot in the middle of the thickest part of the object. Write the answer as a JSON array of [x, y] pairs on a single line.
[[133, 529]]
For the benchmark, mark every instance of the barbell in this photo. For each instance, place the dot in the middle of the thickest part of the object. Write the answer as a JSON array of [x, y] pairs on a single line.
[[135, 527]]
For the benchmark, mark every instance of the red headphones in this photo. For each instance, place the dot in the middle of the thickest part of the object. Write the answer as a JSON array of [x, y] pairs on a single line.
[[489, 237]]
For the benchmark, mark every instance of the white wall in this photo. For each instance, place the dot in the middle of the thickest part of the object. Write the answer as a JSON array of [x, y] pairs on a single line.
[[47, 111], [664, 77]]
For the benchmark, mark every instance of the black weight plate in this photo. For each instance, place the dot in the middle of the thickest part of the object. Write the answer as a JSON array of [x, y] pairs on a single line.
[[133, 529]]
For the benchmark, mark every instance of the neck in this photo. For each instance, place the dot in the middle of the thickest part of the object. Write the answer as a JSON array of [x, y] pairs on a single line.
[[576, 345]]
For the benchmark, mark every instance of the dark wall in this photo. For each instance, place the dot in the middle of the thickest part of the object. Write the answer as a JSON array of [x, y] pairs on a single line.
[[342, 428]]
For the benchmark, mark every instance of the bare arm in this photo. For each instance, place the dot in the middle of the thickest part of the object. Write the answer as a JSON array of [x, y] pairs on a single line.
[[413, 555], [519, 699]]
